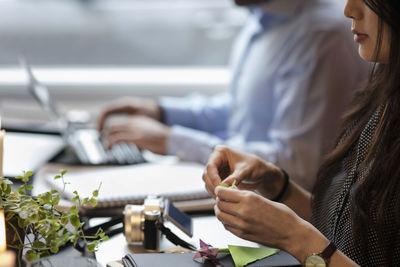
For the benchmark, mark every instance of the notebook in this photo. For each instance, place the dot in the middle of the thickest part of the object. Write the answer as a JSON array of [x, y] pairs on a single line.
[[132, 184], [21, 151]]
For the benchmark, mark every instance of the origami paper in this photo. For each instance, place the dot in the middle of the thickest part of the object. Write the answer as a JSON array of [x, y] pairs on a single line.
[[206, 251], [244, 255], [226, 185], [241, 255]]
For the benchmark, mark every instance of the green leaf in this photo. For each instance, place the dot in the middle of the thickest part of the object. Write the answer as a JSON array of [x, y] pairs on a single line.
[[56, 200], [96, 193], [29, 187], [64, 219], [31, 255], [63, 172], [54, 249], [91, 246], [21, 190], [47, 227], [85, 201], [19, 177], [93, 202], [73, 210], [28, 174], [34, 218], [7, 189], [46, 197], [74, 219], [57, 177], [38, 244]]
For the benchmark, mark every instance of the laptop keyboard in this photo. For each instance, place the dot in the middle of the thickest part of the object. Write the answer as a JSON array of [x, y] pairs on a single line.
[[90, 149]]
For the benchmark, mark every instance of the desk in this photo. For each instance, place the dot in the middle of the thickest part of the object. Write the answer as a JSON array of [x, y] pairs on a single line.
[[208, 228]]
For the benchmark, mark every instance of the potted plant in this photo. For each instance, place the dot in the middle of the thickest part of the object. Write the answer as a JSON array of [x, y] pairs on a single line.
[[36, 225]]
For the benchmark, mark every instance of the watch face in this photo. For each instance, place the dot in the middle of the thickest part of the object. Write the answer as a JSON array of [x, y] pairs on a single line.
[[315, 261]]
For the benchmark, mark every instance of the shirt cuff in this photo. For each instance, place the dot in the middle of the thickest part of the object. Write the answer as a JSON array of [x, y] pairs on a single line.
[[175, 111], [191, 145]]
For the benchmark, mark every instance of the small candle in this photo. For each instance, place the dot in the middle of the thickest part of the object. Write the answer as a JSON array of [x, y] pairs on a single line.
[[7, 258], [2, 134]]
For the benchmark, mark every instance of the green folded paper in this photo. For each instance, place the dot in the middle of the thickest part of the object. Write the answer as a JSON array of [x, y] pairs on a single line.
[[245, 255], [241, 256], [226, 185]]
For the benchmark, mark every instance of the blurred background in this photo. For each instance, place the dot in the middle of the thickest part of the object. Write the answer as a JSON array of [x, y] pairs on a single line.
[[90, 51]]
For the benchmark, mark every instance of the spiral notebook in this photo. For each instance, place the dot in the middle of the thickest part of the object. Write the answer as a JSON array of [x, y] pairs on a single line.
[[132, 184]]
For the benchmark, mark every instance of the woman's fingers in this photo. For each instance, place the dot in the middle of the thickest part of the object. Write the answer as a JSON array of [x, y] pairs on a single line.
[[228, 194], [225, 217], [232, 218], [212, 175], [239, 174], [211, 178]]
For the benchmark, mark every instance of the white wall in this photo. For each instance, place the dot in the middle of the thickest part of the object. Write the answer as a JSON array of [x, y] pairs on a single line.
[[92, 88]]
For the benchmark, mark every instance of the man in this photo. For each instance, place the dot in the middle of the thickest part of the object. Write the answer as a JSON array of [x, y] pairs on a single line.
[[294, 66]]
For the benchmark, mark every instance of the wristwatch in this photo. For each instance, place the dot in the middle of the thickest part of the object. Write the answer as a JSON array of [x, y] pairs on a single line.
[[321, 259]]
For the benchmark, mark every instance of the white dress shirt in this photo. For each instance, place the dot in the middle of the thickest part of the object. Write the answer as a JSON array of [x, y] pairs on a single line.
[[294, 67]]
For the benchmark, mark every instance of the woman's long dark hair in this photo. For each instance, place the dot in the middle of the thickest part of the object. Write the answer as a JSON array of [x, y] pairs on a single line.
[[378, 192]]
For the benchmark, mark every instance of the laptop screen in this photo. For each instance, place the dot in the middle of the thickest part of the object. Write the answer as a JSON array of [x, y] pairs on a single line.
[[42, 96]]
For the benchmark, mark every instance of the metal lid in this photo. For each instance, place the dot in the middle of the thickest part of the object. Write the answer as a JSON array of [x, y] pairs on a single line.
[[133, 222], [152, 215]]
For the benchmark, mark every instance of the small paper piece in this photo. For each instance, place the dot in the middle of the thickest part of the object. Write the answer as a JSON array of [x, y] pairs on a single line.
[[226, 185], [244, 255], [241, 255], [206, 251]]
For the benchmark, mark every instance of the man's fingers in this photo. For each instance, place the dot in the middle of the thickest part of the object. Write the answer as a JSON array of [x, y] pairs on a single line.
[[111, 110], [119, 138]]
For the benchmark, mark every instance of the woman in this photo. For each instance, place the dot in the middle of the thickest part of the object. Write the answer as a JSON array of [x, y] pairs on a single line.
[[355, 205]]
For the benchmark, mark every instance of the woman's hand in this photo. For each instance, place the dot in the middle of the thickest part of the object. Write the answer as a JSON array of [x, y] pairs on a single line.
[[252, 217], [249, 171]]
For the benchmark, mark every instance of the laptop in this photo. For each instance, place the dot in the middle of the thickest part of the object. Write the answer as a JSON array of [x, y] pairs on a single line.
[[86, 142]]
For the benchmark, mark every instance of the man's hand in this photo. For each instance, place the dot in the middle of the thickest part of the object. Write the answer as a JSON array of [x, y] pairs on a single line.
[[145, 132], [130, 106]]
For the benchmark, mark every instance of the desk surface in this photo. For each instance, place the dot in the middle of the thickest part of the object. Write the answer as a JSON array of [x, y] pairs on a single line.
[[208, 228]]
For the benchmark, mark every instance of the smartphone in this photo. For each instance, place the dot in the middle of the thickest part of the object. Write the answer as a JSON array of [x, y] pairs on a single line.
[[178, 218]]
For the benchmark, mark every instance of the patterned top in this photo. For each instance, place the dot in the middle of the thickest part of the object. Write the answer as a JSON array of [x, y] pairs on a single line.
[[333, 217]]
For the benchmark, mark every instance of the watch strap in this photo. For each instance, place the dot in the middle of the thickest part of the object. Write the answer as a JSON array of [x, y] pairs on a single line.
[[327, 253]]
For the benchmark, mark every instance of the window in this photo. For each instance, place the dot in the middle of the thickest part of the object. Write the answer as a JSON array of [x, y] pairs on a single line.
[[118, 32], [90, 51]]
